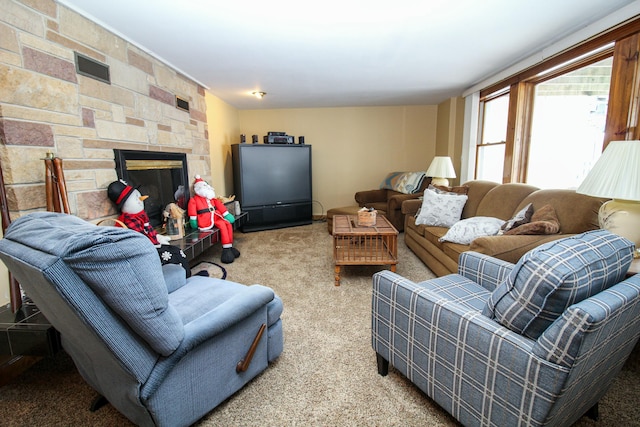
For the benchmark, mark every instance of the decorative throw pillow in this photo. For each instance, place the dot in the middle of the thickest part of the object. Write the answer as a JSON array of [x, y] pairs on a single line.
[[520, 218], [543, 221], [442, 210], [555, 275], [403, 182], [466, 230]]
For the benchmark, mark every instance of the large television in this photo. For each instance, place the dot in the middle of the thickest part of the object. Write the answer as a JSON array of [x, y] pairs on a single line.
[[273, 183]]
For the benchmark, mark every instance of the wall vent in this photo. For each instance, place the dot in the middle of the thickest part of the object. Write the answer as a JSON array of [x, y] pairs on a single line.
[[182, 104], [92, 68]]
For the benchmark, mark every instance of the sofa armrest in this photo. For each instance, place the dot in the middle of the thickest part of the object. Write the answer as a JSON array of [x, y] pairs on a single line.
[[370, 196], [399, 302], [397, 199], [485, 270], [411, 206]]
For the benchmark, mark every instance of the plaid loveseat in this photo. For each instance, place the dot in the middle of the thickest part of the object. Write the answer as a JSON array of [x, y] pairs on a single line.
[[535, 343]]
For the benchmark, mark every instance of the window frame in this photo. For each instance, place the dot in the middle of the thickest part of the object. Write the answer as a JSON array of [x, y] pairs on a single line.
[[624, 103]]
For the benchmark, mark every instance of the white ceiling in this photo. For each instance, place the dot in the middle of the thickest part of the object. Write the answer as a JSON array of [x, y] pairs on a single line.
[[338, 53]]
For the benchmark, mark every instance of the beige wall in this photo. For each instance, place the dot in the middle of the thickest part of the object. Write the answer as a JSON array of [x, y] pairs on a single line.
[[353, 148], [450, 126], [224, 130]]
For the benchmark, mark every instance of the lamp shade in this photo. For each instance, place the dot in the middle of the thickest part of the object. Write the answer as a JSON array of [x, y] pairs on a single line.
[[441, 167], [616, 174]]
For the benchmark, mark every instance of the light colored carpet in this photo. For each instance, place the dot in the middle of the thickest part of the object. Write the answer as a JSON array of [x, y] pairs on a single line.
[[326, 375]]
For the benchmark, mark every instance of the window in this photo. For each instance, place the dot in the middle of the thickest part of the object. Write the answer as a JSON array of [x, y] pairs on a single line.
[[547, 125], [490, 150], [567, 126]]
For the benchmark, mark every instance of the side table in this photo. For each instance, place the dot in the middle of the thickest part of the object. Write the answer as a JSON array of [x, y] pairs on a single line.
[[27, 332], [196, 242], [354, 245]]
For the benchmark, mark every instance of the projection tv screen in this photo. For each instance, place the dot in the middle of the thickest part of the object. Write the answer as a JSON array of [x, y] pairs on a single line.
[[272, 174]]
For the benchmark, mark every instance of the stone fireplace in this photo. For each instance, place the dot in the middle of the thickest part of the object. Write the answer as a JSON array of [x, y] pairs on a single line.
[[160, 175]]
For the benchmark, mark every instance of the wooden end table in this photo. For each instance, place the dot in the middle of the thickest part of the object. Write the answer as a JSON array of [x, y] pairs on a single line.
[[353, 245]]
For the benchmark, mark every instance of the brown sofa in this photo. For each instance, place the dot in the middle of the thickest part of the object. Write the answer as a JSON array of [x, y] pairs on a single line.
[[389, 202], [576, 213]]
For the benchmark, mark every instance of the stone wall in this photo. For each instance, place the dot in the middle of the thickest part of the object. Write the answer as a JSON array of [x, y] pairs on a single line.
[[45, 106]]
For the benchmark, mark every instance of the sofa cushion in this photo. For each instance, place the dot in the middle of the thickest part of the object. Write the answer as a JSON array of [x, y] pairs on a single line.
[[503, 200], [476, 192], [459, 290], [467, 230], [550, 278], [543, 221], [576, 212], [403, 182], [440, 209]]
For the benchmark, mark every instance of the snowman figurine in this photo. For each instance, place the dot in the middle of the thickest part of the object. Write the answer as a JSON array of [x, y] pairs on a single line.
[[206, 211], [130, 203]]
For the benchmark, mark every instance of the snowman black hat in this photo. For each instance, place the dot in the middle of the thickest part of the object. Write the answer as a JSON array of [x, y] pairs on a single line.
[[118, 192]]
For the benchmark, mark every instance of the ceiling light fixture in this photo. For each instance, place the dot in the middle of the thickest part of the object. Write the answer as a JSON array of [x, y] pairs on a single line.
[[259, 95]]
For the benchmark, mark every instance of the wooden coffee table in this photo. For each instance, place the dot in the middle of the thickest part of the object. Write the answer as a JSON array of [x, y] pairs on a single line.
[[353, 245]]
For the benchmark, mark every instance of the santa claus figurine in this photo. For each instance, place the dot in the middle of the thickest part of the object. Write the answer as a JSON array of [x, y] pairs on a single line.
[[130, 203], [206, 211]]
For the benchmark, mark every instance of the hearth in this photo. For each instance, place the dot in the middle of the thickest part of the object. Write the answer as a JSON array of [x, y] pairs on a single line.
[[161, 176]]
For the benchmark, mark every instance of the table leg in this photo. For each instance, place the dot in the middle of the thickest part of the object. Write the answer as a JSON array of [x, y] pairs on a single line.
[[393, 268], [337, 275]]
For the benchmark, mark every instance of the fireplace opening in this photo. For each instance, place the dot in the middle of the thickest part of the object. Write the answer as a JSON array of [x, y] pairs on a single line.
[[161, 176]]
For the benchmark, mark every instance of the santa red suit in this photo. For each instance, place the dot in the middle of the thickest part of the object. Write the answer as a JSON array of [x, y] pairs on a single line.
[[206, 212]]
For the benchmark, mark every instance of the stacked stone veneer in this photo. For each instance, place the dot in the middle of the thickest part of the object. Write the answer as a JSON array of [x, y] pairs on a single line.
[[45, 106]]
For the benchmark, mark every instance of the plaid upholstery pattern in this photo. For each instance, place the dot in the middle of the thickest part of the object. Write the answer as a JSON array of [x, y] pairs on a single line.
[[550, 278], [485, 374], [459, 290], [483, 269]]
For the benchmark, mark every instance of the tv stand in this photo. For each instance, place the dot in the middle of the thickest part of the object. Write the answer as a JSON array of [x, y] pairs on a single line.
[[277, 216]]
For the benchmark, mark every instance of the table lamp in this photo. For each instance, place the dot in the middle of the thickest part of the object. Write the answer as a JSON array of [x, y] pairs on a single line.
[[440, 169], [616, 175]]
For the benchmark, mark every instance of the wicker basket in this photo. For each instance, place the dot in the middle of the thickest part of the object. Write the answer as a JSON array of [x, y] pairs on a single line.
[[367, 218]]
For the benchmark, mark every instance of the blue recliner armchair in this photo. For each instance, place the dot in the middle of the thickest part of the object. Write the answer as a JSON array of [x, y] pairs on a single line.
[[161, 348], [531, 344]]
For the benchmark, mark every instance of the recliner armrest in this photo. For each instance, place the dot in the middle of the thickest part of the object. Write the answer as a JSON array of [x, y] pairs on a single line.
[[485, 270], [212, 323], [370, 196], [226, 314]]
